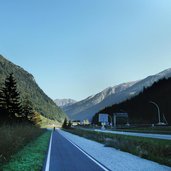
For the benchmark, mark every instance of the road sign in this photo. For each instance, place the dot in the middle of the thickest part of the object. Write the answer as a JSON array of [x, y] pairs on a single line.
[[121, 114], [103, 117]]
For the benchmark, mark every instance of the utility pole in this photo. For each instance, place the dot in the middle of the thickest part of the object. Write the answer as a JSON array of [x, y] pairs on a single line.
[[114, 120], [111, 124]]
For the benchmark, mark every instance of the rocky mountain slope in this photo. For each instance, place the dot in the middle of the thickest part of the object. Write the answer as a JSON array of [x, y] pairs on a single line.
[[86, 108], [64, 102]]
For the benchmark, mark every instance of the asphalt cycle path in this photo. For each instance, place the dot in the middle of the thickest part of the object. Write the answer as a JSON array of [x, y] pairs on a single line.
[[63, 155]]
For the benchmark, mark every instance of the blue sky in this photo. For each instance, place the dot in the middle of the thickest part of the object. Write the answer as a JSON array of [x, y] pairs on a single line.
[[76, 48]]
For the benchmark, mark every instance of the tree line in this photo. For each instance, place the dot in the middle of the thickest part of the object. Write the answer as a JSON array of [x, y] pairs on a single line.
[[13, 109]]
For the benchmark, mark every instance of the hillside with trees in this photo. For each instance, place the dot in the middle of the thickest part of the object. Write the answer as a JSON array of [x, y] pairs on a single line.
[[30, 92], [139, 108]]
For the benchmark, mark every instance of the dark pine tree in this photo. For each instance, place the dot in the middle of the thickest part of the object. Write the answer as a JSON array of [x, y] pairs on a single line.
[[27, 110], [10, 99], [3, 111], [65, 124], [69, 124]]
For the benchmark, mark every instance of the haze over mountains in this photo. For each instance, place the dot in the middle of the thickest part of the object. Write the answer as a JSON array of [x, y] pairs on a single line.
[[85, 109]]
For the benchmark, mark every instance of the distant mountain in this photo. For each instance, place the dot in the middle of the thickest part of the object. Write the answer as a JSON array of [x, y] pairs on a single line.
[[141, 109], [85, 109], [27, 86], [64, 102]]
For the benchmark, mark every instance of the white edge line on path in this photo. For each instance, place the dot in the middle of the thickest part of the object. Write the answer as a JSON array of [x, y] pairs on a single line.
[[99, 164], [49, 151]]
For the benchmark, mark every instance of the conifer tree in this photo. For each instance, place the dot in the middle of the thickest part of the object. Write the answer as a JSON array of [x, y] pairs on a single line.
[[10, 98], [64, 125], [69, 124], [27, 109], [3, 112]]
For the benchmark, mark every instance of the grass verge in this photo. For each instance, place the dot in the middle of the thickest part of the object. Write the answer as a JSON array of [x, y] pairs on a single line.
[[148, 148], [48, 123], [31, 157], [14, 137]]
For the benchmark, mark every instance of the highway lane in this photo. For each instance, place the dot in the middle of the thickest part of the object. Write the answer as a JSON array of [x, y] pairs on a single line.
[[147, 135], [64, 156]]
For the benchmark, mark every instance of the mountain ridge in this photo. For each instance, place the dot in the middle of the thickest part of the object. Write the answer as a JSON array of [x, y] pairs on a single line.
[[141, 110], [64, 102], [86, 108], [27, 86]]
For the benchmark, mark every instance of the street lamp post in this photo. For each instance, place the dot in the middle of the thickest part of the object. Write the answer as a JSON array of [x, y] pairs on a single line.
[[158, 111], [110, 120]]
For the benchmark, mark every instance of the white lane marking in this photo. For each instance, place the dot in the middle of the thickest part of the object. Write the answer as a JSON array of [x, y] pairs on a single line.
[[48, 157], [104, 168]]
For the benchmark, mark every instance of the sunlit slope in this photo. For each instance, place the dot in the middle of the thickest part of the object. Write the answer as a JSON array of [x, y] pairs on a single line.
[[27, 86]]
